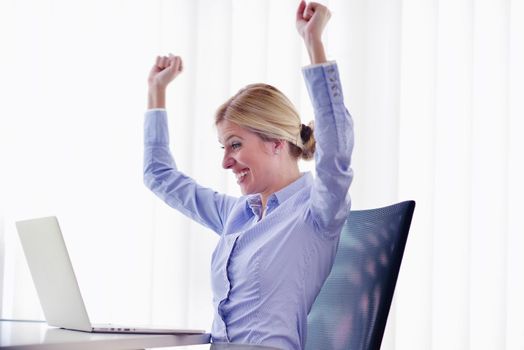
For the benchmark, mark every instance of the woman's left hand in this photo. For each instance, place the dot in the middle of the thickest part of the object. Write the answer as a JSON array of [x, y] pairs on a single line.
[[311, 20]]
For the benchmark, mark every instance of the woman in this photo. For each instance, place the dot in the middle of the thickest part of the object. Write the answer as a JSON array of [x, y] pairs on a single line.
[[278, 241]]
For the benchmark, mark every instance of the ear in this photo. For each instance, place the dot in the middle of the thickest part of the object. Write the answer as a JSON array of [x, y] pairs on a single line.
[[278, 146]]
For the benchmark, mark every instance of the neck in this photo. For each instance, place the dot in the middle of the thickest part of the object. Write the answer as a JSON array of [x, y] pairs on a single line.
[[284, 179]]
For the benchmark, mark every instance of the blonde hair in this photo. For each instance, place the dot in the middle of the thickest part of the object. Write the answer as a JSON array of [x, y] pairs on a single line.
[[265, 110]]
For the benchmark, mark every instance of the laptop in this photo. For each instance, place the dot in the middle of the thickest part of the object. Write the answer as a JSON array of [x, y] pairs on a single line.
[[56, 284]]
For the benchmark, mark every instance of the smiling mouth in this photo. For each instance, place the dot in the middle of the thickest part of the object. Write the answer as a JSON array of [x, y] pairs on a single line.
[[241, 175]]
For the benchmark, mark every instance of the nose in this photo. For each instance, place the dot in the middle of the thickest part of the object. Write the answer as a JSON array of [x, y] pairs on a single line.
[[227, 161]]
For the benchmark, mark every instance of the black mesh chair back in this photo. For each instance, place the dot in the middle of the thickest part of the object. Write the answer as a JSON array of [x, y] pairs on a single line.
[[352, 308]]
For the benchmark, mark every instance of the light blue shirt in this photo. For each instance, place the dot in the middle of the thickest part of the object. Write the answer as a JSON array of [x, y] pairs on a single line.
[[266, 272]]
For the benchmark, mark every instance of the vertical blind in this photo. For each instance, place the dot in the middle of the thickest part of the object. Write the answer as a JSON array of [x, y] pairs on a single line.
[[435, 88]]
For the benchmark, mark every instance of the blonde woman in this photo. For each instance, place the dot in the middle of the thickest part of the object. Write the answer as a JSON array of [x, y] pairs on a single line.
[[278, 240]]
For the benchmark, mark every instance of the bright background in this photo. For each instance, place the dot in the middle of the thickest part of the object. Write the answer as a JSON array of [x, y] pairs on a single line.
[[436, 89]]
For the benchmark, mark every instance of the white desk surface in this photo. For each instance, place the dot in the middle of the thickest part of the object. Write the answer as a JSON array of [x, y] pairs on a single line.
[[39, 336]]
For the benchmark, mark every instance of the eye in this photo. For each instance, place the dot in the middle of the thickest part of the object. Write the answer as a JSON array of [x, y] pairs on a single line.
[[235, 145]]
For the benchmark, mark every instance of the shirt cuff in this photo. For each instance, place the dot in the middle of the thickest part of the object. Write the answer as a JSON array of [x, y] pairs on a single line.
[[323, 84], [155, 127], [324, 64], [155, 109]]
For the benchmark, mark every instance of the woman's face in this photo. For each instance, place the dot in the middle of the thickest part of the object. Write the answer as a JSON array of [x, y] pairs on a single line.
[[253, 160]]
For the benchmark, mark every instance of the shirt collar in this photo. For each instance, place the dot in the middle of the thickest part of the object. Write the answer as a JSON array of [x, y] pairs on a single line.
[[285, 193], [254, 202]]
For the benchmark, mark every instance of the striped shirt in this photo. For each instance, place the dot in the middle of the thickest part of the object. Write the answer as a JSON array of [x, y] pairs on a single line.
[[266, 271]]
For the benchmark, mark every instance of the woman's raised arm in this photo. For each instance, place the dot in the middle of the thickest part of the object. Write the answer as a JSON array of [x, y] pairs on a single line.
[[330, 202]]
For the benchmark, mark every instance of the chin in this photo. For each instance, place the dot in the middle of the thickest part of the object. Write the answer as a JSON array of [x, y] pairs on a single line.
[[246, 191]]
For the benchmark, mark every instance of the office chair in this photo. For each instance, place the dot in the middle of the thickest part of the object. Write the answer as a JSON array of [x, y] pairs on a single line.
[[351, 310]]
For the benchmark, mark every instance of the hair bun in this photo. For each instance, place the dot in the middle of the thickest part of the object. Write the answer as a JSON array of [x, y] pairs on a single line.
[[307, 151], [305, 133]]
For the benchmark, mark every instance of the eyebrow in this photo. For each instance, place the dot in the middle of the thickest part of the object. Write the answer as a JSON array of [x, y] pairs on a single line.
[[230, 137]]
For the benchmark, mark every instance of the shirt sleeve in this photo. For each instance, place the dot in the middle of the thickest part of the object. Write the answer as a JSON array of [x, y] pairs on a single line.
[[172, 186], [330, 201]]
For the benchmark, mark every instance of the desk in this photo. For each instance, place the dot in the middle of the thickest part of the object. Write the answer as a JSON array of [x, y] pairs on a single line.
[[39, 336]]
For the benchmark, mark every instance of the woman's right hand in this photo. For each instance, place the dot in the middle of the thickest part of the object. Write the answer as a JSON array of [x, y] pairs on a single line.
[[165, 69]]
